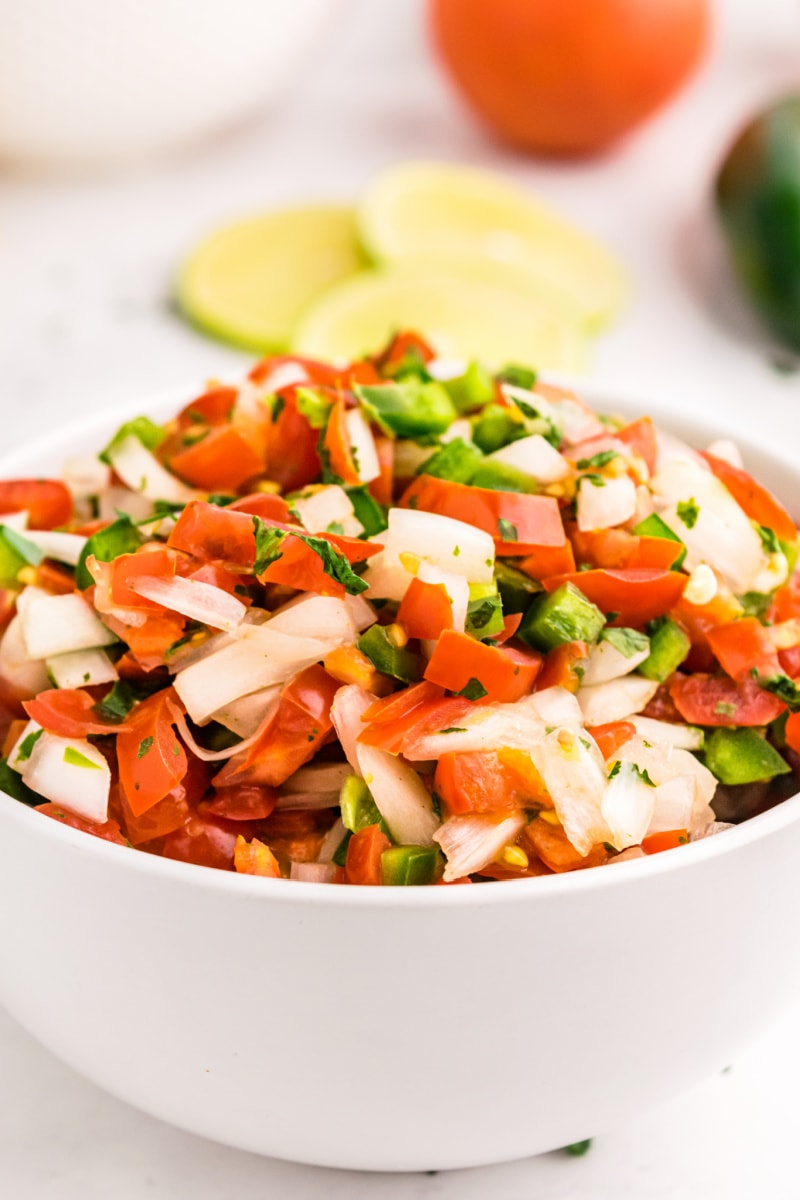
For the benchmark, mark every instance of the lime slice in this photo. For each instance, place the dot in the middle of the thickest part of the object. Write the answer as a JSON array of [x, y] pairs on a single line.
[[431, 210], [462, 317], [248, 282]]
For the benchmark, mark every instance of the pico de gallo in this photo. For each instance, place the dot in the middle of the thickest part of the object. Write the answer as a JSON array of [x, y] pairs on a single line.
[[400, 622]]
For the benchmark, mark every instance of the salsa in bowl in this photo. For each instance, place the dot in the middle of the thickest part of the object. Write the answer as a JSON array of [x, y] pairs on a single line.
[[398, 623]]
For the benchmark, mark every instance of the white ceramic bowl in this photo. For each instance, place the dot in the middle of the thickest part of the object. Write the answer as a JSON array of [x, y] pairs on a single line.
[[395, 1029], [95, 81]]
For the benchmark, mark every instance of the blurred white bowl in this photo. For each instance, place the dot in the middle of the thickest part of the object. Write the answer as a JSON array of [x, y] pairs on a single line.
[[89, 82]]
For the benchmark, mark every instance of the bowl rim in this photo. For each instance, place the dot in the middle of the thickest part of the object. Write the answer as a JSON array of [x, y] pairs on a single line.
[[752, 831]]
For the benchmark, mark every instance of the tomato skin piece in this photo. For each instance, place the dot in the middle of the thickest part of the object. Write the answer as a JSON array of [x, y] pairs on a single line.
[[262, 504], [742, 647], [668, 840], [640, 436], [511, 624], [214, 407], [396, 722], [505, 673], [152, 762], [69, 713], [315, 372], [109, 831], [48, 502], [560, 667], [169, 814], [382, 488], [221, 461], [403, 344], [717, 700], [300, 567], [127, 568], [790, 661], [206, 841], [254, 858], [547, 560], [425, 610], [476, 782], [551, 844], [209, 532], [149, 643], [364, 850], [242, 802], [292, 458], [336, 443], [616, 549], [757, 501], [536, 519], [610, 737], [636, 594], [292, 735]]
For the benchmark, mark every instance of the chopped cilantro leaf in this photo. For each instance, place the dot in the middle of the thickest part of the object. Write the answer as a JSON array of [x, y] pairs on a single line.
[[596, 460], [688, 512], [145, 746], [454, 729], [724, 709], [26, 747], [785, 689], [507, 531], [473, 690], [769, 539], [269, 542]]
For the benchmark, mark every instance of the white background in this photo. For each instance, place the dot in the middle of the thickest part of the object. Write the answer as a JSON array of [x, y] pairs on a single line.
[[85, 271]]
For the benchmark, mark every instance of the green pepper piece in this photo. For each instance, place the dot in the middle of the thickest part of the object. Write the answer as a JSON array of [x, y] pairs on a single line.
[[502, 477], [669, 646], [653, 526], [16, 552], [120, 538], [408, 866], [484, 612], [471, 390], [358, 808], [740, 756], [456, 461], [408, 409], [496, 427], [517, 376], [791, 550], [12, 783], [400, 663], [565, 615], [515, 587]]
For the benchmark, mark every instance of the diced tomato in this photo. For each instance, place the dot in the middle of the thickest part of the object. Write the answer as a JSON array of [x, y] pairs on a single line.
[[206, 841], [641, 436], [254, 858], [152, 762], [48, 502], [315, 372], [127, 568], [268, 506], [221, 461], [742, 647], [69, 713], [793, 732], [699, 619], [561, 667], [662, 706], [617, 549], [300, 567], [511, 624], [478, 781], [610, 737], [521, 524], [242, 802], [169, 814], [757, 501], [636, 595], [364, 850], [656, 842], [382, 488], [50, 576], [547, 560], [295, 836], [556, 851], [292, 459], [293, 734], [218, 576], [402, 346], [214, 407], [151, 642], [109, 831], [425, 610], [207, 531], [790, 661], [718, 700], [504, 673], [336, 445], [786, 601], [399, 722]]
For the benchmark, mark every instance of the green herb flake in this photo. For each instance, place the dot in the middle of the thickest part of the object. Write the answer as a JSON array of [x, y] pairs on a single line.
[[578, 1149], [507, 531], [594, 479], [769, 539], [724, 709], [597, 460], [688, 511], [473, 690], [74, 758], [146, 431], [335, 527], [454, 729], [269, 543], [785, 689], [615, 770], [145, 746], [27, 745]]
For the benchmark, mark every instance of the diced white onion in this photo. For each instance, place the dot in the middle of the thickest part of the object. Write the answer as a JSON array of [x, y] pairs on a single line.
[[83, 786], [664, 763], [702, 585], [17, 521], [534, 456], [386, 580], [446, 368], [313, 872], [247, 714], [20, 765], [460, 429], [362, 444], [326, 506], [445, 543], [64, 547], [318, 777], [727, 450], [198, 601], [115, 500], [670, 450], [54, 625], [612, 503], [306, 801], [332, 841], [257, 658], [362, 614], [617, 699], [85, 475], [555, 706], [665, 733], [575, 419], [627, 807], [143, 473], [607, 662], [575, 776], [484, 727], [311, 615], [25, 676], [471, 842], [673, 805], [81, 668], [348, 708]]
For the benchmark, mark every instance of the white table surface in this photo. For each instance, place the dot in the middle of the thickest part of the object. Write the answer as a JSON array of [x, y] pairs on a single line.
[[85, 269]]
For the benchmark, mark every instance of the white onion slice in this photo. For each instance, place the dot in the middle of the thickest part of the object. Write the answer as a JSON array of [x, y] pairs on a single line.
[[313, 872], [211, 755], [326, 506], [362, 614], [71, 773], [311, 615], [457, 589], [533, 456], [611, 503], [307, 801], [673, 805], [332, 841], [20, 765], [575, 775], [63, 547], [627, 807], [247, 714], [143, 473], [664, 763], [470, 842], [727, 450], [54, 625], [617, 699], [555, 706], [362, 444], [81, 668], [606, 662], [17, 521], [667, 733], [25, 676], [318, 777], [448, 544], [198, 601], [85, 476]]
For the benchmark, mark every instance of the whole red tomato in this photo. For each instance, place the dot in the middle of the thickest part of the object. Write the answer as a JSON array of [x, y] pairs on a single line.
[[568, 76]]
